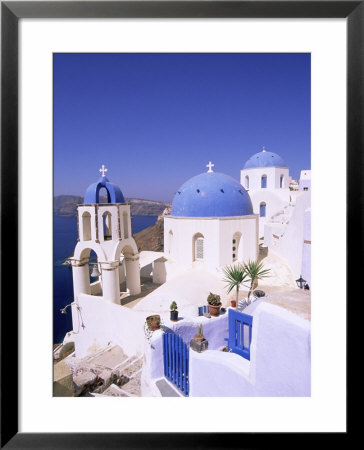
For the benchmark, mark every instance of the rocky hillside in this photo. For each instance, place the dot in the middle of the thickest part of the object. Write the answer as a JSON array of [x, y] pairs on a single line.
[[152, 238], [66, 205]]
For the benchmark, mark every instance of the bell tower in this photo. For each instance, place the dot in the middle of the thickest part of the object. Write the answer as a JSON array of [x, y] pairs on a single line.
[[104, 226]]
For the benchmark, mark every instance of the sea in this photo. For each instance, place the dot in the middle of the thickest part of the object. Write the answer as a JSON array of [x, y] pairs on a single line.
[[64, 242]]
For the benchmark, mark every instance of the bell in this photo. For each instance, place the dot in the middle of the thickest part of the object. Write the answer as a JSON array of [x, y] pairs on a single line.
[[95, 271]]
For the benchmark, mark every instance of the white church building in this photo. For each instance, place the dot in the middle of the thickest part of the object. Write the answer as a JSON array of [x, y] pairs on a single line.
[[212, 223]]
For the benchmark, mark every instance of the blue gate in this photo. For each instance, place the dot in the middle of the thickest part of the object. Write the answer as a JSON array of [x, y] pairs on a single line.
[[240, 333], [176, 358]]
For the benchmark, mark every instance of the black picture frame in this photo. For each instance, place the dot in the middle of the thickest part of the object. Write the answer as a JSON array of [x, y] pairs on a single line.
[[11, 12]]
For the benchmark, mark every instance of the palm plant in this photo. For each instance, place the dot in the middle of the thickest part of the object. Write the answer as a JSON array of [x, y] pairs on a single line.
[[235, 275], [255, 272]]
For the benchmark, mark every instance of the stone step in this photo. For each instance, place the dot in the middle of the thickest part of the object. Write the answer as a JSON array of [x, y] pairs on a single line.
[[132, 387]]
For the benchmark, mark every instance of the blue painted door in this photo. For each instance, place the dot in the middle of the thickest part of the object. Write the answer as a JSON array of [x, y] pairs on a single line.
[[240, 333]]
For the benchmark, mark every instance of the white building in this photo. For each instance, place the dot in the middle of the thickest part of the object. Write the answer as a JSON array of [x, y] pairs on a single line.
[[305, 180], [212, 223], [266, 177]]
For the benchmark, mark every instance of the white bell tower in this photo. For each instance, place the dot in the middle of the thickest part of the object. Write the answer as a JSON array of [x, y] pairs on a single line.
[[104, 226]]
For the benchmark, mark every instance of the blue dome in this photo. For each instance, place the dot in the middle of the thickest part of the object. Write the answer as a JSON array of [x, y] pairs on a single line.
[[211, 194], [114, 194], [264, 159]]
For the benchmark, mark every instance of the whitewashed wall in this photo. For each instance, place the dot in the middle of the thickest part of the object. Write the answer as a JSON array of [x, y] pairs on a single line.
[[289, 246], [218, 234], [280, 363], [273, 177]]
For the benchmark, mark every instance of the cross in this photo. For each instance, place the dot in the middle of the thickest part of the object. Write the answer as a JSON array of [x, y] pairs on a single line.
[[210, 166], [103, 170]]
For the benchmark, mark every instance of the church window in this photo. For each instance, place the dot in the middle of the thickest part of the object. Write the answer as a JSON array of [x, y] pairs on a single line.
[[198, 250], [106, 221], [86, 226], [262, 209], [264, 181], [247, 182], [237, 248], [305, 188], [170, 241], [281, 180]]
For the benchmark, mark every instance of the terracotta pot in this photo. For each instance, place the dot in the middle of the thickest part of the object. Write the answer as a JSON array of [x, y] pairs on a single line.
[[233, 303], [214, 310], [154, 322]]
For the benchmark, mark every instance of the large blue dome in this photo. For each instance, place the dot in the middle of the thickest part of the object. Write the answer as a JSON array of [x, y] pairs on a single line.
[[264, 159], [211, 194], [114, 194]]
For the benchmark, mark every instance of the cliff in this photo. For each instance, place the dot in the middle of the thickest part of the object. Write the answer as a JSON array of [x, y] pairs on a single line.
[[66, 205], [152, 238]]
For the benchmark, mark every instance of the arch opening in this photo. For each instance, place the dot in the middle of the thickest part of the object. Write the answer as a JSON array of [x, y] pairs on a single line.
[[237, 247], [86, 226], [103, 195], [106, 223], [263, 182], [281, 181], [262, 209], [125, 225], [246, 182]]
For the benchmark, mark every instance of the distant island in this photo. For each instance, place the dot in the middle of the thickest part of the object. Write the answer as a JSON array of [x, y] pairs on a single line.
[[66, 205]]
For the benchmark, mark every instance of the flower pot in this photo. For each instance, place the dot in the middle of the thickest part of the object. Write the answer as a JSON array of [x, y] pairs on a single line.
[[214, 310], [233, 303], [198, 337], [154, 322], [174, 316]]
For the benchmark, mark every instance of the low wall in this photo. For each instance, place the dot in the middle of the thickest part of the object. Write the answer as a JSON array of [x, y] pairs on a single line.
[[280, 364], [107, 322]]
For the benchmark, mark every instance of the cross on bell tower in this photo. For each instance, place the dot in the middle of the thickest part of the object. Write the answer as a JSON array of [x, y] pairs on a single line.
[[103, 170]]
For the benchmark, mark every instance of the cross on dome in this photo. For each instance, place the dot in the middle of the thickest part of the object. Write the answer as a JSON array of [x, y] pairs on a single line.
[[210, 166], [103, 170]]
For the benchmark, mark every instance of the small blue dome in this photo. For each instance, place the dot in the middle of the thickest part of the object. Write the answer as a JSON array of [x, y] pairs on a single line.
[[211, 194], [264, 159], [114, 194]]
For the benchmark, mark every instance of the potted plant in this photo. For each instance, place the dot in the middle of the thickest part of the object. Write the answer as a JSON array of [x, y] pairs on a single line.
[[255, 272], [235, 275], [214, 304], [199, 343], [153, 322], [174, 312]]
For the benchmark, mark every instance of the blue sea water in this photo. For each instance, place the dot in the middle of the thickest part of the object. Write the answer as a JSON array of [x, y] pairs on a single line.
[[64, 241]]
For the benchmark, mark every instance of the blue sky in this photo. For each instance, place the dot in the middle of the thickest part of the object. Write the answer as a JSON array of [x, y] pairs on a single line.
[[156, 120]]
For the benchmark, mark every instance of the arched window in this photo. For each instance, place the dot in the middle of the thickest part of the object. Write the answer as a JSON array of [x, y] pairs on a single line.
[[262, 209], [86, 226], [281, 181], [264, 181], [198, 247], [170, 242], [106, 221], [237, 247], [246, 182], [125, 225]]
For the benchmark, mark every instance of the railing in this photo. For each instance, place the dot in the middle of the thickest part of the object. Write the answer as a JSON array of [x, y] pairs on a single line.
[[176, 361]]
